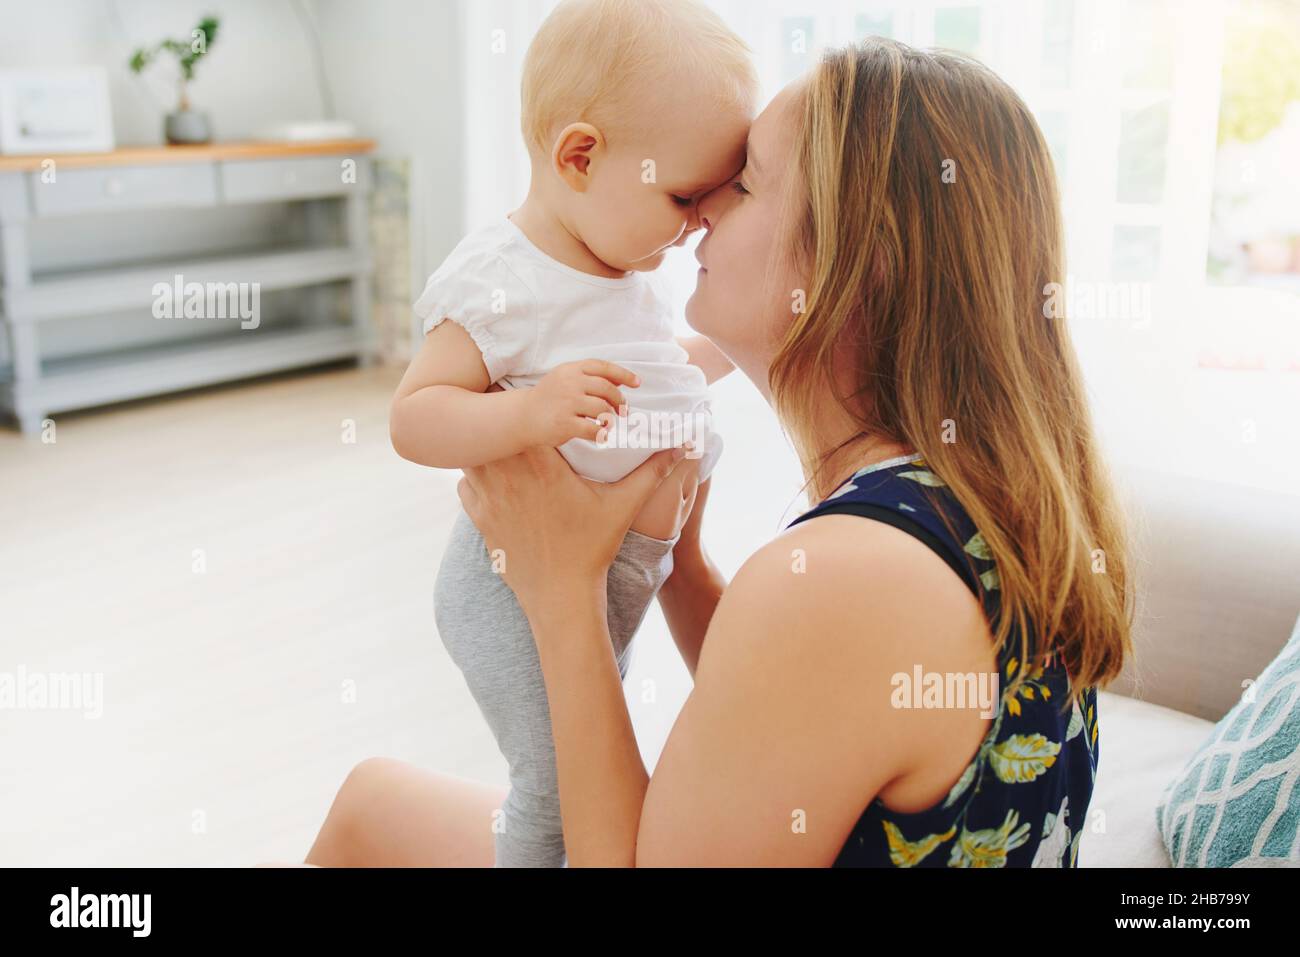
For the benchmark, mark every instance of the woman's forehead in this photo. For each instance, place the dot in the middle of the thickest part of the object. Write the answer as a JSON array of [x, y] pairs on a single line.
[[773, 129]]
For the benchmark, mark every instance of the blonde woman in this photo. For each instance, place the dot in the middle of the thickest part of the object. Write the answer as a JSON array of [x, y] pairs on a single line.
[[877, 268]]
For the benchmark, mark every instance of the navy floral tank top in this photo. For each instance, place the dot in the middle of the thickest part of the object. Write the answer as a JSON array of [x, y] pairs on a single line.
[[1022, 800]]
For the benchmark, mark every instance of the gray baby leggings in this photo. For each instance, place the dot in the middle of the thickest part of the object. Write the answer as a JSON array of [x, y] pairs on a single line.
[[487, 635]]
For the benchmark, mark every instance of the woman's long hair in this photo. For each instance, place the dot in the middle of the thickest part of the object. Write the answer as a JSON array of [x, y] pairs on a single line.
[[931, 226]]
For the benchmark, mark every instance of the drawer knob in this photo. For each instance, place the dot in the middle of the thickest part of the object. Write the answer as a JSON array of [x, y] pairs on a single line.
[[290, 177], [114, 186]]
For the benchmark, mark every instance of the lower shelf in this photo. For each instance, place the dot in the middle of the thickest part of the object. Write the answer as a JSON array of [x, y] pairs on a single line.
[[85, 382]]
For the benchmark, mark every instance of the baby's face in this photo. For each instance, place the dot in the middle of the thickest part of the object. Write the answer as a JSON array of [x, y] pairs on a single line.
[[642, 198]]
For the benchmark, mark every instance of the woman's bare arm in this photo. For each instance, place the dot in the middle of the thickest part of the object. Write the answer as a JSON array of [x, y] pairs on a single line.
[[691, 593], [688, 599], [791, 728], [789, 731]]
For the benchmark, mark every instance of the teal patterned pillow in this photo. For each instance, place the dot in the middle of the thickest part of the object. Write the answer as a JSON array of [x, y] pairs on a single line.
[[1237, 802]]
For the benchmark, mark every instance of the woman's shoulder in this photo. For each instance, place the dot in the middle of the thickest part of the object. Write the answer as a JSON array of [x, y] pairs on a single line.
[[840, 580], [839, 551], [906, 493], [891, 562], [1023, 794], [804, 644]]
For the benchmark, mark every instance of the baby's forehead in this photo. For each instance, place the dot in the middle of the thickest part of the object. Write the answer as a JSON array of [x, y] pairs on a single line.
[[700, 154]]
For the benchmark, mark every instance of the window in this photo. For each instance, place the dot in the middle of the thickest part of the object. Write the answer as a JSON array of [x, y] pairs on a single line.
[[1127, 93]]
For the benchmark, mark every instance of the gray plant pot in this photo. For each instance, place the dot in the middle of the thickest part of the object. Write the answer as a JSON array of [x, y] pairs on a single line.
[[188, 126]]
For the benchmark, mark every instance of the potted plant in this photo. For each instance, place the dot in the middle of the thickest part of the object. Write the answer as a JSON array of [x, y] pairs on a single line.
[[184, 125]]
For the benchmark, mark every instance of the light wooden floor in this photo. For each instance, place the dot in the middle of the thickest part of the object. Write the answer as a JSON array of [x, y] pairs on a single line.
[[228, 713]]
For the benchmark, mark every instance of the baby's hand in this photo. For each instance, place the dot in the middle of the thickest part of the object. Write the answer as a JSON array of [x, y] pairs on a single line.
[[566, 402]]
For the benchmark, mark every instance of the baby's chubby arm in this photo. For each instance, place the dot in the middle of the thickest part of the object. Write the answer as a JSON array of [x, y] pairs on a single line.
[[703, 353], [443, 416]]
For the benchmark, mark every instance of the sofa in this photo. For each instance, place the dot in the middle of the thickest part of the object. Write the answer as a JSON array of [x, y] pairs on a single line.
[[1218, 572]]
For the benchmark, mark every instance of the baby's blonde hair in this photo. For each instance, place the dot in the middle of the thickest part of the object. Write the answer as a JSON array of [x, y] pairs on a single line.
[[599, 61]]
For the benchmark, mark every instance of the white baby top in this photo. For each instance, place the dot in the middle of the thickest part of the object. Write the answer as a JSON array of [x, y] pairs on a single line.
[[529, 313]]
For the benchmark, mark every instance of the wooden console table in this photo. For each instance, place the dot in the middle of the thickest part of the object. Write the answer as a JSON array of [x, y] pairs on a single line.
[[188, 177]]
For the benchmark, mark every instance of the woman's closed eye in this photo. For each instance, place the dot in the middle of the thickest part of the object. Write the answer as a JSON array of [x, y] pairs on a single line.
[[738, 187], [683, 200]]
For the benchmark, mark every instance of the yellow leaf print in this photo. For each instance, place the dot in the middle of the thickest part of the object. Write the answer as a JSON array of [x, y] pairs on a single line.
[[905, 853], [989, 848], [991, 580], [1022, 757], [1013, 706]]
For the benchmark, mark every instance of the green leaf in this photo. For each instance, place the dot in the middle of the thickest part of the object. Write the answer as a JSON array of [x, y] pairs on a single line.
[[924, 477], [183, 50], [978, 547], [962, 783], [1076, 723]]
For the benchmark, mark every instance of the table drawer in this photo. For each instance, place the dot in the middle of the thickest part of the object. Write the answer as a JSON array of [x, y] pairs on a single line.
[[256, 181], [77, 191]]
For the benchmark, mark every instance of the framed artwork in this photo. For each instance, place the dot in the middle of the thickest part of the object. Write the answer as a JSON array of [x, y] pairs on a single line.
[[55, 111]]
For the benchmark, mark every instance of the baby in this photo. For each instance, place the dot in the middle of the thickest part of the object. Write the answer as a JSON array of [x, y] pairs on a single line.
[[631, 109]]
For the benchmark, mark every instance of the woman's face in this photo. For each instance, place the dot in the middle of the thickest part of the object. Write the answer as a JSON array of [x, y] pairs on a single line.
[[736, 303]]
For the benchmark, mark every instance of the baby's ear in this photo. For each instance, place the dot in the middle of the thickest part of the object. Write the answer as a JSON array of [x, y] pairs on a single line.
[[575, 147]]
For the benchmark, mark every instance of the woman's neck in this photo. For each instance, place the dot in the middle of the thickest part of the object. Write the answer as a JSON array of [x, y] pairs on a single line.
[[855, 454]]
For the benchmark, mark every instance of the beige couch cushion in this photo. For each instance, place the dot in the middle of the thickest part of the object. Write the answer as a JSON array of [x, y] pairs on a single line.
[[1217, 567], [1142, 747]]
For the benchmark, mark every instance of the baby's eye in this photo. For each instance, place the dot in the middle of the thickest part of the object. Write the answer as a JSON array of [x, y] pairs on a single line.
[[682, 200]]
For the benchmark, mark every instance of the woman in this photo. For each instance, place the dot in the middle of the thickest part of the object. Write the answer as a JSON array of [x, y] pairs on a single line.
[[878, 269]]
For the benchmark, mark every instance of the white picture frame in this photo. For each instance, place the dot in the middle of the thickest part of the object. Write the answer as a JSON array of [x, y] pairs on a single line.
[[55, 111]]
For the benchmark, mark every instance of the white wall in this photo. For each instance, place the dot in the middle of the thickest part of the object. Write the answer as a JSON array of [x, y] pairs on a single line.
[[257, 72], [395, 68]]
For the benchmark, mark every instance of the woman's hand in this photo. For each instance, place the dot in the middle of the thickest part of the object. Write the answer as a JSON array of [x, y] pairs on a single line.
[[551, 533]]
